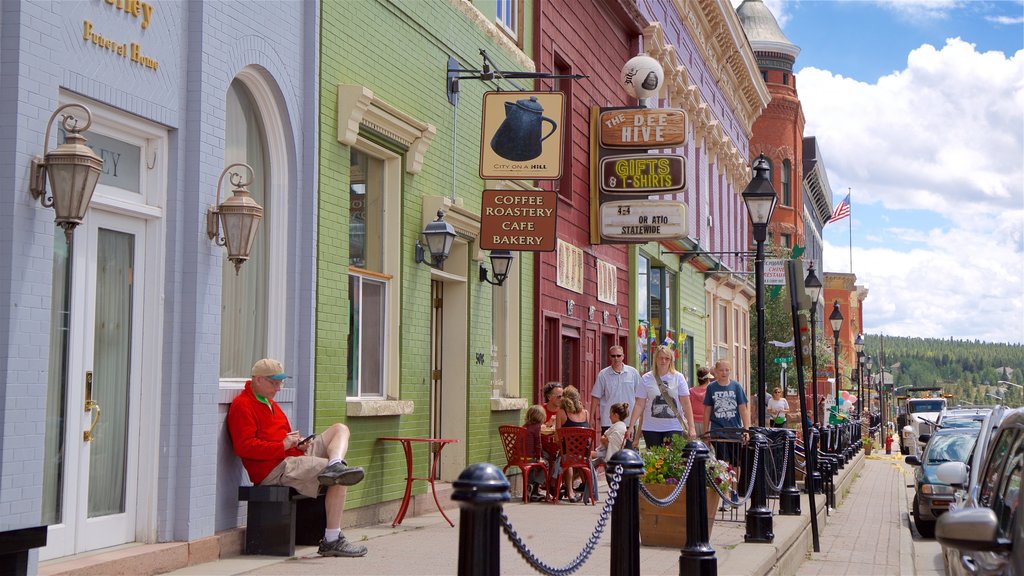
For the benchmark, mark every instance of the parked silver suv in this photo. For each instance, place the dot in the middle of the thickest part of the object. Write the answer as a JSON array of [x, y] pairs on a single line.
[[986, 535]]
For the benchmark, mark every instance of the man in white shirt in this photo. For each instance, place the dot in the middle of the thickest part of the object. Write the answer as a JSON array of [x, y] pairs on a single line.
[[615, 383]]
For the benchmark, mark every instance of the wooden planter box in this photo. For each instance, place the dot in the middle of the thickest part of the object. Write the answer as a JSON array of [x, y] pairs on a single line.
[[667, 526]]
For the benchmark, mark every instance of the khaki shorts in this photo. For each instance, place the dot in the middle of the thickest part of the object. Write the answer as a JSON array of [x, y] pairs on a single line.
[[301, 472]]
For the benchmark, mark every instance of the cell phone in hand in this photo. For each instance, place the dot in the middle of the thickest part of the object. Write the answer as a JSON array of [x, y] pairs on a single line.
[[306, 439]]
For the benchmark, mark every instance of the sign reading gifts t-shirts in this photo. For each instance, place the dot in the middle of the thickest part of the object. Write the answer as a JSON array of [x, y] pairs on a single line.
[[631, 167], [521, 136]]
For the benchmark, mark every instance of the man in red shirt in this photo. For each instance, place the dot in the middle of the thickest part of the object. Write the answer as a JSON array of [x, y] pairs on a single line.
[[275, 455]]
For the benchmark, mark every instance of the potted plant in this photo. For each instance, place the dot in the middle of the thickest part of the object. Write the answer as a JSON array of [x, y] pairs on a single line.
[[869, 444], [663, 468]]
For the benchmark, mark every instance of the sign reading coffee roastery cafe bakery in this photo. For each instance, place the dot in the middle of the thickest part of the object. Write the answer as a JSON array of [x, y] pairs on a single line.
[[643, 128], [518, 220], [643, 220], [642, 173], [521, 136]]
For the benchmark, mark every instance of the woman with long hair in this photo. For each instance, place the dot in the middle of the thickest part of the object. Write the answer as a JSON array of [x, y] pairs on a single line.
[[663, 402], [571, 414]]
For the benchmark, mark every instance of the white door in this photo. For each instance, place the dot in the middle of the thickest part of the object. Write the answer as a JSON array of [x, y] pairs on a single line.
[[91, 479]]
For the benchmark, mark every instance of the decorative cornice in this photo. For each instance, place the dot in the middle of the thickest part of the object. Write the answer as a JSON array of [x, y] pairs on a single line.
[[357, 107]]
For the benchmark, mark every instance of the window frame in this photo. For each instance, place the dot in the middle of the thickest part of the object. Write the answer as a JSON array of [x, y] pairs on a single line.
[[786, 183], [510, 24], [390, 273], [275, 214]]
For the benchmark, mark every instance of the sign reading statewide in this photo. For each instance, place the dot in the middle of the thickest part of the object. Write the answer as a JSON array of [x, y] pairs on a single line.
[[775, 272], [642, 173], [521, 136], [643, 128], [518, 220], [643, 220]]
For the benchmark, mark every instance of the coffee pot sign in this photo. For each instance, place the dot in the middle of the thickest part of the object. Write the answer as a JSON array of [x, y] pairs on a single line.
[[521, 135]]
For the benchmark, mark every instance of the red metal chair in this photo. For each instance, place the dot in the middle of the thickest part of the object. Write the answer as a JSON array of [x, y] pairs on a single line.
[[513, 440], [577, 444]]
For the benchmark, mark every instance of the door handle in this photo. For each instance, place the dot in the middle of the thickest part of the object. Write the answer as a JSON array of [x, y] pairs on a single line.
[[87, 436], [90, 406]]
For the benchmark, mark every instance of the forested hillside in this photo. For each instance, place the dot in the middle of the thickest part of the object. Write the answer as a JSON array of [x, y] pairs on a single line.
[[974, 372]]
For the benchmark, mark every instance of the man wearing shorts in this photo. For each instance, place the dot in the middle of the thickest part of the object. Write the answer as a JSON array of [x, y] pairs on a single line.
[[274, 455]]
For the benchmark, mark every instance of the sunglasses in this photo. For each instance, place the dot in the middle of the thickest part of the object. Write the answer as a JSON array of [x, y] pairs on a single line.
[[616, 355]]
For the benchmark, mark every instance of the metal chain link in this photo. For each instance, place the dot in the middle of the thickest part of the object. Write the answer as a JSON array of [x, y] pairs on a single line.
[[750, 487], [675, 493], [613, 490], [772, 486]]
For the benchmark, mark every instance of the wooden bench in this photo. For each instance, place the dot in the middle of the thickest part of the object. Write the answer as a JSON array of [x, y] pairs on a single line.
[[279, 518]]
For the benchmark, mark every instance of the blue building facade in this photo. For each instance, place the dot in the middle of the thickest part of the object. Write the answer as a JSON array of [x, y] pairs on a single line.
[[120, 350]]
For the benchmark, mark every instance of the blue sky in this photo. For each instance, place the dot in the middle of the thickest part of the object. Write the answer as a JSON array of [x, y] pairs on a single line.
[[918, 107]]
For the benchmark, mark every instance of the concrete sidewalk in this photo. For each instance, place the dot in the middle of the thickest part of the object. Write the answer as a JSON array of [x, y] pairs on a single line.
[[868, 533], [554, 533]]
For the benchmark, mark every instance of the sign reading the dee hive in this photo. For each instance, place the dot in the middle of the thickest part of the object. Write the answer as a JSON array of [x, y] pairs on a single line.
[[521, 136], [518, 220], [643, 128], [643, 173], [643, 220]]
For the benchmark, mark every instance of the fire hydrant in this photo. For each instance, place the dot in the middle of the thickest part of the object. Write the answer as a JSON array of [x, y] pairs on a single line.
[[888, 443]]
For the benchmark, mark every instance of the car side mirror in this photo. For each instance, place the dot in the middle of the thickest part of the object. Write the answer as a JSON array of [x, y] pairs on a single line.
[[923, 438], [956, 474], [971, 529], [912, 460]]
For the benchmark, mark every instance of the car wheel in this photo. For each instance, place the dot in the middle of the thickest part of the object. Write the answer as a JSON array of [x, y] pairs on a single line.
[[924, 527]]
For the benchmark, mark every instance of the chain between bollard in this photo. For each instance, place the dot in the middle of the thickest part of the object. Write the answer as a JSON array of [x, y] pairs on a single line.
[[782, 476], [661, 503], [750, 487], [613, 488]]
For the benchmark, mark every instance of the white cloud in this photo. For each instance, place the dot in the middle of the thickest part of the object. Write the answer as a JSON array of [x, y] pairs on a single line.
[[917, 9], [1006, 20], [944, 135]]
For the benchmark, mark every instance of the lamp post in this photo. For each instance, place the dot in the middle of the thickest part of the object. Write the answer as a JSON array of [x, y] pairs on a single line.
[[868, 364], [858, 346], [836, 320], [812, 285], [438, 237], [759, 198]]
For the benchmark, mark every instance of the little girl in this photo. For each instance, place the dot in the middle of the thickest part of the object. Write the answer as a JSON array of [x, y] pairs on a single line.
[[534, 419], [613, 438]]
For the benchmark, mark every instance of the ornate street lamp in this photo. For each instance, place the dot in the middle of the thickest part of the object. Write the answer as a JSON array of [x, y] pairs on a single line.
[[813, 288], [438, 237], [858, 347], [73, 170], [501, 262], [836, 320], [759, 198], [234, 222]]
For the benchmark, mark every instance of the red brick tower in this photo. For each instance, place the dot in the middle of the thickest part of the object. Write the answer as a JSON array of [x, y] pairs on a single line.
[[779, 131]]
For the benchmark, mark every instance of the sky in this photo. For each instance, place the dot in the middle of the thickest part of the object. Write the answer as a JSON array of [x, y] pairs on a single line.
[[918, 108]]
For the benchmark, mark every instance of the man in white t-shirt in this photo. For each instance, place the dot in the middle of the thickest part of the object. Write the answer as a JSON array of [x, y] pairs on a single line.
[[616, 383]]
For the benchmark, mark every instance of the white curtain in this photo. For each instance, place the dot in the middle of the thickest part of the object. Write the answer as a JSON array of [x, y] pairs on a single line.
[[115, 253], [56, 389], [244, 297]]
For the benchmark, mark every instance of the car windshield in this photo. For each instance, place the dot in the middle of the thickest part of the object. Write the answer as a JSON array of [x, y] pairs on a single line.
[[949, 448], [927, 406], [963, 422]]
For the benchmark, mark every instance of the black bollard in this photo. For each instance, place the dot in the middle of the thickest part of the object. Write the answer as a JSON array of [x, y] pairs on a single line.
[[814, 477], [480, 491], [759, 516], [789, 496], [697, 556], [625, 543]]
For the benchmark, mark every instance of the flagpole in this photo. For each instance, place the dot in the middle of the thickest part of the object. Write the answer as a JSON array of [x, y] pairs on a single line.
[[850, 193]]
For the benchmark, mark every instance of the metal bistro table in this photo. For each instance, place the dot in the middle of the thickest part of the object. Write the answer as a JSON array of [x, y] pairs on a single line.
[[407, 446]]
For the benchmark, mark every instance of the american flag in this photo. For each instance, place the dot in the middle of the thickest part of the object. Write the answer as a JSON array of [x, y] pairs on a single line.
[[841, 211]]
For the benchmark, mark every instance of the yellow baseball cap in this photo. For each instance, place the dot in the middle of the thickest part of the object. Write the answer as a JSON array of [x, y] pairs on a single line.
[[269, 368]]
